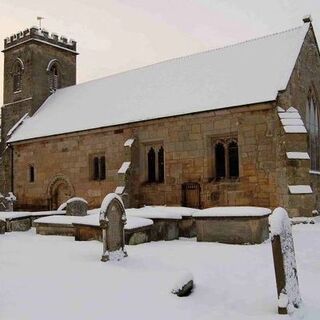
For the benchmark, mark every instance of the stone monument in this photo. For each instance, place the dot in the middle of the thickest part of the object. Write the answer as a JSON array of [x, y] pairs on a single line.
[[112, 220], [284, 260], [77, 207]]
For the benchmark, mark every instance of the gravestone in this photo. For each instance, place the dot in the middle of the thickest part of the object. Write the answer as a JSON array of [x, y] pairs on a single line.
[[112, 221], [76, 207], [284, 260], [2, 226], [6, 203]]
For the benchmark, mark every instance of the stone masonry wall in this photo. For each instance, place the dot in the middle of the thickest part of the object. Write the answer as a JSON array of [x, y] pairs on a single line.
[[304, 79], [188, 146]]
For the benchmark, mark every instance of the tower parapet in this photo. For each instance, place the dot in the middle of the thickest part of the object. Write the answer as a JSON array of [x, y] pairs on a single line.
[[41, 35]]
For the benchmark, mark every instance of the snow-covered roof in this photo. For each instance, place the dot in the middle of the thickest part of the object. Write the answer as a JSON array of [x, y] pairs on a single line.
[[249, 72]]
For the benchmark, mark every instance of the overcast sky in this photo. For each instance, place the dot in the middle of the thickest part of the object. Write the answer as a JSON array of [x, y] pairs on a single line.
[[117, 35]]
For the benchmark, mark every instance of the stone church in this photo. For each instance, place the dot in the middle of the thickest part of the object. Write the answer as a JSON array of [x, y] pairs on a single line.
[[232, 126]]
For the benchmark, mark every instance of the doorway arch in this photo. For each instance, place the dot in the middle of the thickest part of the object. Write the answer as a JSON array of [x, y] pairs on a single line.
[[60, 189]]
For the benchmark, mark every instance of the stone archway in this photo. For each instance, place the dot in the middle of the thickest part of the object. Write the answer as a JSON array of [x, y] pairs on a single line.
[[59, 191]]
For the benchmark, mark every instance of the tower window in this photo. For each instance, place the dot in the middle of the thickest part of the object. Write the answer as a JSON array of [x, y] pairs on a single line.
[[99, 168], [54, 78], [17, 77], [31, 174], [155, 163]]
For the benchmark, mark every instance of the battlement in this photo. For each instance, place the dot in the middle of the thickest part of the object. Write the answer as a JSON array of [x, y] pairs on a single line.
[[35, 33]]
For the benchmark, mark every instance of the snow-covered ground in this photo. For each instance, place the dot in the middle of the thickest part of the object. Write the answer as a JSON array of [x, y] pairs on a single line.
[[48, 277]]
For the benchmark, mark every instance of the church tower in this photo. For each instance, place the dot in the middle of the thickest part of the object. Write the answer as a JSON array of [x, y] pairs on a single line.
[[36, 64]]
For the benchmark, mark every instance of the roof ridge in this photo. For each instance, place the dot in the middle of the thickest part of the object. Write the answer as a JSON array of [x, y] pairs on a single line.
[[189, 55]]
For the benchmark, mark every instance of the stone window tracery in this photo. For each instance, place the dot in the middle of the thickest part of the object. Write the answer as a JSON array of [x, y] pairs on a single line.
[[54, 82], [155, 163], [17, 76], [226, 159]]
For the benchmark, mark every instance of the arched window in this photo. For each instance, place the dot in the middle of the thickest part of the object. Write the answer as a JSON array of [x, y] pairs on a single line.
[[17, 76], [233, 159], [54, 83], [220, 161], [151, 165], [161, 164], [312, 125]]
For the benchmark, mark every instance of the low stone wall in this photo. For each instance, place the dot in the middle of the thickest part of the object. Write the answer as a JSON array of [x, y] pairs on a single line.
[[187, 227], [86, 232], [138, 235], [132, 237], [2, 227], [164, 229], [54, 229], [18, 224], [233, 230]]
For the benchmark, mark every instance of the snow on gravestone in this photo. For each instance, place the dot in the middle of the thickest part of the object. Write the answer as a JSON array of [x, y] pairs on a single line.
[[284, 262], [112, 220], [76, 207]]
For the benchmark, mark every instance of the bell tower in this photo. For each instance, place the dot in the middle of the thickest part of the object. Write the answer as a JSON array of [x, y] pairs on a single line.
[[36, 64]]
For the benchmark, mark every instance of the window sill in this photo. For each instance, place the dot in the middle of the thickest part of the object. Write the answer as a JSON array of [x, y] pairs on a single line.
[[147, 183], [314, 172], [227, 180]]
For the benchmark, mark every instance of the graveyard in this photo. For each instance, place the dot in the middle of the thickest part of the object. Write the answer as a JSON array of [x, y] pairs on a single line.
[[158, 262]]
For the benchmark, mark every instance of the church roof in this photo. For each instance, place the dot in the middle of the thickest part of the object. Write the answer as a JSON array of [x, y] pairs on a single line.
[[246, 73]]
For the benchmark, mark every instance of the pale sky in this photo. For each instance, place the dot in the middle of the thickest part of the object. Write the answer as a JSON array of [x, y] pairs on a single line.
[[117, 35]]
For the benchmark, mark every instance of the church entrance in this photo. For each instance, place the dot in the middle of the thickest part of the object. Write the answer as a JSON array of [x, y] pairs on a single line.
[[59, 191]]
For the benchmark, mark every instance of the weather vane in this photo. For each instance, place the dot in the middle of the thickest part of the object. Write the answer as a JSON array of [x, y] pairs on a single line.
[[40, 19]]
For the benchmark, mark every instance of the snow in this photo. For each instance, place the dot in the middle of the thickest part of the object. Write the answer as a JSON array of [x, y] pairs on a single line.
[[280, 225], [300, 189], [292, 122], [11, 197], [128, 143], [64, 279], [119, 190], [182, 211], [233, 212], [132, 222], [156, 212], [298, 155], [289, 115], [181, 282], [17, 125], [205, 81], [124, 167], [13, 215], [295, 129], [292, 109], [107, 200], [62, 206], [69, 220], [279, 109], [76, 199]]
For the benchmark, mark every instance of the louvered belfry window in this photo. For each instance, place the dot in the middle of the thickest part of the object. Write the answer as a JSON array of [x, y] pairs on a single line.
[[54, 78]]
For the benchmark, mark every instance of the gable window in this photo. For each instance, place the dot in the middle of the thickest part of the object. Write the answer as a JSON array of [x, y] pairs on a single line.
[[226, 159], [155, 163], [312, 125], [54, 78], [31, 173], [17, 76], [99, 168]]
